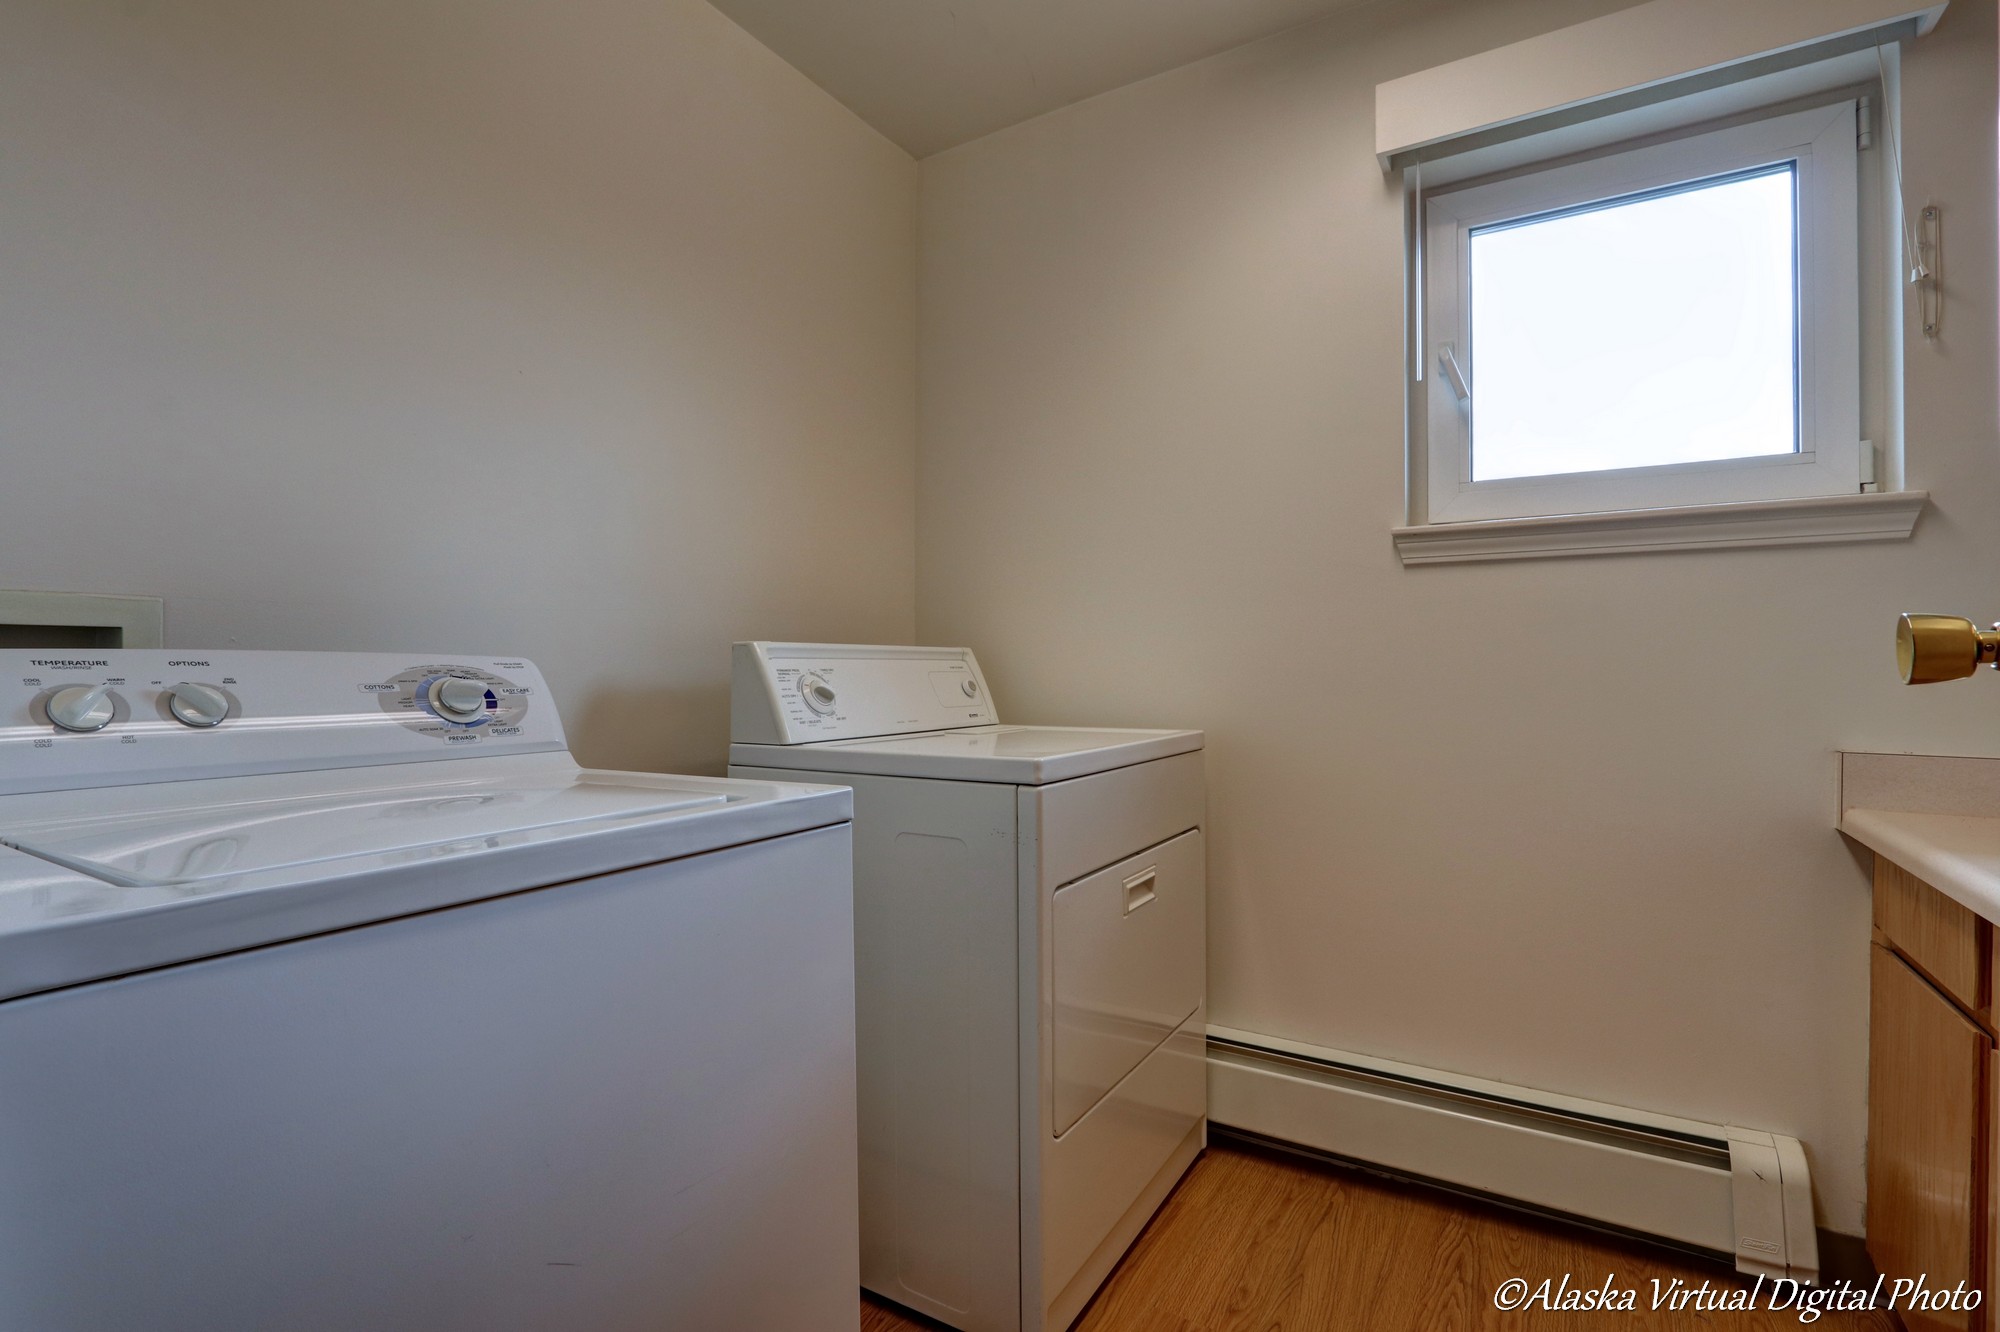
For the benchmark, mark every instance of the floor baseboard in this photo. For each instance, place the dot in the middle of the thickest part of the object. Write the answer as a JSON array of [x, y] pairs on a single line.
[[1844, 1258]]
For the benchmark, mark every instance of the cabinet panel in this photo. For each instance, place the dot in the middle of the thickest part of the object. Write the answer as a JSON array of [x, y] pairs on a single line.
[[1927, 1063], [1943, 938]]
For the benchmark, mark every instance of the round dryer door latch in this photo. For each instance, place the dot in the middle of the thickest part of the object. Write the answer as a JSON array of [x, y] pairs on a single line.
[[818, 694]]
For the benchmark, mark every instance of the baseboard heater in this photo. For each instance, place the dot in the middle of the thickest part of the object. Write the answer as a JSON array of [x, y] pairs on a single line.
[[1734, 1193]]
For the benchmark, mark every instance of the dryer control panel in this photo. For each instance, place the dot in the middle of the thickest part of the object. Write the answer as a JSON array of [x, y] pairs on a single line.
[[794, 693], [117, 716]]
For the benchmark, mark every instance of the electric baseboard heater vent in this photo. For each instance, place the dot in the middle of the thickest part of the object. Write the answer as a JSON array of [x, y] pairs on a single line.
[[1734, 1193]]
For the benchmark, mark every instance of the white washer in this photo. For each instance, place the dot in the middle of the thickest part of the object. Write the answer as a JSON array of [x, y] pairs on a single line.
[[334, 995], [1030, 915]]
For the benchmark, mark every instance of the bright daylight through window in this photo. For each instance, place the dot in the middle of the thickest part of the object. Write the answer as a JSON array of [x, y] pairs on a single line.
[[1638, 332], [1664, 326]]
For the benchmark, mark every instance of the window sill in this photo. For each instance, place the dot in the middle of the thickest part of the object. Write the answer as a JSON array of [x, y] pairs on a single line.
[[1790, 522]]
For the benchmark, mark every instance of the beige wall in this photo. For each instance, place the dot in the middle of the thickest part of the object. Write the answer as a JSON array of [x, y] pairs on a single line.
[[470, 325], [1565, 823]]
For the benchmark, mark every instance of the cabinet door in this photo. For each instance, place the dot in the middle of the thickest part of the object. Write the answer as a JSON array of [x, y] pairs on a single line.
[[1939, 935], [1926, 1066]]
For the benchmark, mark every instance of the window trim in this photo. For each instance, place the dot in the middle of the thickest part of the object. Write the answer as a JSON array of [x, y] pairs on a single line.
[[1814, 521], [1821, 143]]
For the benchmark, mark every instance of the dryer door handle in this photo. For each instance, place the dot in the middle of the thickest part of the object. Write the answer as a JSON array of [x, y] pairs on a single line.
[[1139, 889]]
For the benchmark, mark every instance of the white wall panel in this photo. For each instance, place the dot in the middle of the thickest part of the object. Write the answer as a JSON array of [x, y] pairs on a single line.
[[476, 326], [1562, 823]]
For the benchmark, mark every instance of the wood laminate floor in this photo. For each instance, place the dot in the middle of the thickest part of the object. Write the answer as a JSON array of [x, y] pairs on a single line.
[[1253, 1241]]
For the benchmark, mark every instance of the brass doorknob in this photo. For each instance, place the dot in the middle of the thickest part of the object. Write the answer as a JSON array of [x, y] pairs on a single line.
[[1933, 648]]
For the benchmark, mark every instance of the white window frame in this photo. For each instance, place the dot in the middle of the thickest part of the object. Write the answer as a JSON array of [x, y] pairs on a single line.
[[1820, 143]]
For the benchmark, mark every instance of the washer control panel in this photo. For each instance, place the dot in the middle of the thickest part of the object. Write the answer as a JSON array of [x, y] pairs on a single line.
[[116, 716], [794, 693], [453, 702]]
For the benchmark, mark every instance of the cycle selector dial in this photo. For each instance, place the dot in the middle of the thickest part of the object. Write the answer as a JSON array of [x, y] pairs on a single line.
[[82, 707], [818, 694], [454, 701], [197, 705], [456, 698]]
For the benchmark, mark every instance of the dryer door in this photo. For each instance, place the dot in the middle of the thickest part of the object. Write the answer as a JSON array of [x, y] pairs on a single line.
[[1128, 952]]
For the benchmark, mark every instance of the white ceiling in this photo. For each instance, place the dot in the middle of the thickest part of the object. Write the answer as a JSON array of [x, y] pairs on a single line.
[[932, 74]]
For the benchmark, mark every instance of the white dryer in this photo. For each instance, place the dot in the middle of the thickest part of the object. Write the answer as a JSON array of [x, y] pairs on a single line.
[[1030, 924], [334, 995]]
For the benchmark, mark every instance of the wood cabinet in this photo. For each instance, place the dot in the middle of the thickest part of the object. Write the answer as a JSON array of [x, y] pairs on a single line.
[[1932, 1130], [1943, 940]]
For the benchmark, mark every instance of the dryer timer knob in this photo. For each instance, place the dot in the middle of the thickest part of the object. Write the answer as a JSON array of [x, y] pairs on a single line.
[[818, 694]]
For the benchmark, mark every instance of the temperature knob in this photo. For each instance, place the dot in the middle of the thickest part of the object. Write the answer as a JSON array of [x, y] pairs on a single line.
[[197, 704], [818, 694], [82, 707], [455, 698]]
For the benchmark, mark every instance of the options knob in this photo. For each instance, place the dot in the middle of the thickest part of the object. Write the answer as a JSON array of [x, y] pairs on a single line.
[[197, 704], [456, 698], [82, 707], [818, 694]]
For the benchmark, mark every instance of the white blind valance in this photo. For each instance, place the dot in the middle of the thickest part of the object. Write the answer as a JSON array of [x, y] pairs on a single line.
[[1651, 52]]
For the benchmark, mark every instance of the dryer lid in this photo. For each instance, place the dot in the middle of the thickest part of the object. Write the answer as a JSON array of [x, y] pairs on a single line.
[[1018, 755]]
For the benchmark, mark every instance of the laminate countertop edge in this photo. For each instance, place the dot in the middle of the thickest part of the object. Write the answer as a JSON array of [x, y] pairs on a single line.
[[1957, 854]]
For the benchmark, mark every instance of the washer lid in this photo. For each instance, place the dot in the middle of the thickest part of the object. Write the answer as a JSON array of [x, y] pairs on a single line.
[[151, 875], [270, 838], [1020, 755]]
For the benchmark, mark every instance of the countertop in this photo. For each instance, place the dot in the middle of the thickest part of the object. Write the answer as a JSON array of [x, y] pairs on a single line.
[[1938, 817], [1957, 854]]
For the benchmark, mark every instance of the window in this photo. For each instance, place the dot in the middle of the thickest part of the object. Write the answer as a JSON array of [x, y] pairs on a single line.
[[1670, 325]]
